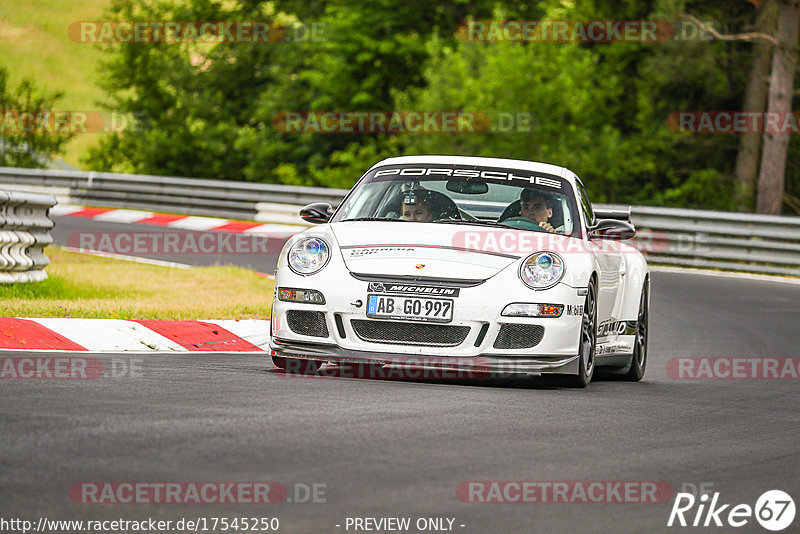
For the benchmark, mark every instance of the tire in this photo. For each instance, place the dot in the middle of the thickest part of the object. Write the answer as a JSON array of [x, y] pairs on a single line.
[[296, 365], [588, 340], [639, 356]]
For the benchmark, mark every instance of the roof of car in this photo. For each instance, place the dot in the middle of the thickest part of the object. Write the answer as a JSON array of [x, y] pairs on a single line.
[[481, 162]]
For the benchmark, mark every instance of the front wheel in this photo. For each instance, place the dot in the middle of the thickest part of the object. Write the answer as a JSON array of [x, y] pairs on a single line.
[[588, 343], [296, 365], [639, 357]]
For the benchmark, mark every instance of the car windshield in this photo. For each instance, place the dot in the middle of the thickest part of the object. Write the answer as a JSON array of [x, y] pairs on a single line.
[[468, 195]]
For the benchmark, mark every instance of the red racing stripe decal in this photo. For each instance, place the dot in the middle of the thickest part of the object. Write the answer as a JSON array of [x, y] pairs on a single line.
[[26, 334], [200, 336]]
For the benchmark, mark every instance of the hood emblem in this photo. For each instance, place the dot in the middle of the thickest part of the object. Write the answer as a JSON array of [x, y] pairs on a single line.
[[420, 266]]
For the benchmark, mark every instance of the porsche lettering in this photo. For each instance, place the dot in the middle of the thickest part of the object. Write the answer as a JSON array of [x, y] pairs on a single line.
[[469, 173]]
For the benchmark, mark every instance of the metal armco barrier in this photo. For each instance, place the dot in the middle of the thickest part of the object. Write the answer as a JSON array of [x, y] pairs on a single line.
[[24, 233], [696, 238], [190, 196], [766, 244]]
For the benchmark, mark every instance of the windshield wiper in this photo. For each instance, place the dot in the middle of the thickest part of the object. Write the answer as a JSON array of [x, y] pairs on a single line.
[[372, 219]]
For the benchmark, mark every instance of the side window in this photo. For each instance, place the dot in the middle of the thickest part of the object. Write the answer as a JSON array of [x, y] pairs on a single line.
[[585, 204]]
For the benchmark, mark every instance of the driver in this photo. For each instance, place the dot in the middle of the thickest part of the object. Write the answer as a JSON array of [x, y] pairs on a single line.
[[416, 207], [535, 205]]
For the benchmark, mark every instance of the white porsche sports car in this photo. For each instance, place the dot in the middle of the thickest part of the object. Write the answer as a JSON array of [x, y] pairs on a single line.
[[485, 264]]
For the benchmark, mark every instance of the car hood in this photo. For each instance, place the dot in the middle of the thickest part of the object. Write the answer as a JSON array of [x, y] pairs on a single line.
[[433, 250]]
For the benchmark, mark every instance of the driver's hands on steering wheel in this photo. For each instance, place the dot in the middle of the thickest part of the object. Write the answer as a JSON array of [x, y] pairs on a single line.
[[547, 226], [528, 224]]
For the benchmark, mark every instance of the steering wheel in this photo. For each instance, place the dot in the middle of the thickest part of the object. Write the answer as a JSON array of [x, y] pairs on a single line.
[[524, 223]]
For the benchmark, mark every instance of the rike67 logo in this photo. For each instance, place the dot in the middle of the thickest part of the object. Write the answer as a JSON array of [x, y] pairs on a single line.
[[774, 510]]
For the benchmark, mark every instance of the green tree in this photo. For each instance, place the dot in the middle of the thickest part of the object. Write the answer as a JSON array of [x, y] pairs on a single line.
[[569, 98], [29, 134], [369, 53], [601, 109], [192, 99], [210, 109]]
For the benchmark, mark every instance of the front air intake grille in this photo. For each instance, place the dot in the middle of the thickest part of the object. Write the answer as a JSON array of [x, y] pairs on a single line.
[[518, 336], [410, 333], [307, 323], [481, 334], [337, 318]]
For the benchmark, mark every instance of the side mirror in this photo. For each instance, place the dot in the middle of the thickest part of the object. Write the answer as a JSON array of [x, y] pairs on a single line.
[[612, 229], [317, 213], [611, 213]]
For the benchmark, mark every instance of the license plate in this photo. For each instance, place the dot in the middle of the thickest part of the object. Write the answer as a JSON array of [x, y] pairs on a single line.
[[410, 308]]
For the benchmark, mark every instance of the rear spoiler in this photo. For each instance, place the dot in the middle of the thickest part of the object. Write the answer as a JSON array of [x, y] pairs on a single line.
[[623, 214]]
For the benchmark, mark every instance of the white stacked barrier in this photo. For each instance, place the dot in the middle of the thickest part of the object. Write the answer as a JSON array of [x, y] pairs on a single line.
[[25, 227]]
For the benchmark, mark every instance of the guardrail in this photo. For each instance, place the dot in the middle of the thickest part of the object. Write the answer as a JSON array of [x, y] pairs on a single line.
[[719, 240], [24, 233], [696, 238], [191, 196]]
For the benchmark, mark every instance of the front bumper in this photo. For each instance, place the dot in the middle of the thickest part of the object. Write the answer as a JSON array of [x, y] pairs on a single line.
[[478, 336], [484, 364], [477, 311]]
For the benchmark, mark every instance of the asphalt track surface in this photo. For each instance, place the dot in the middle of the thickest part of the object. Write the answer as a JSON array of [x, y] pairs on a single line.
[[395, 448]]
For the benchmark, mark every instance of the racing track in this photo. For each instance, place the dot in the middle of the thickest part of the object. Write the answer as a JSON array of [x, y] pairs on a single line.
[[400, 448]]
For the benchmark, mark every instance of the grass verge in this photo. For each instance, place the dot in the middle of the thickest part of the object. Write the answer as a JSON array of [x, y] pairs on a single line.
[[80, 285]]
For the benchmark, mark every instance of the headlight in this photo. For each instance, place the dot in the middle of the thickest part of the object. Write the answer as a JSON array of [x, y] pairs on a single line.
[[308, 255], [542, 270]]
